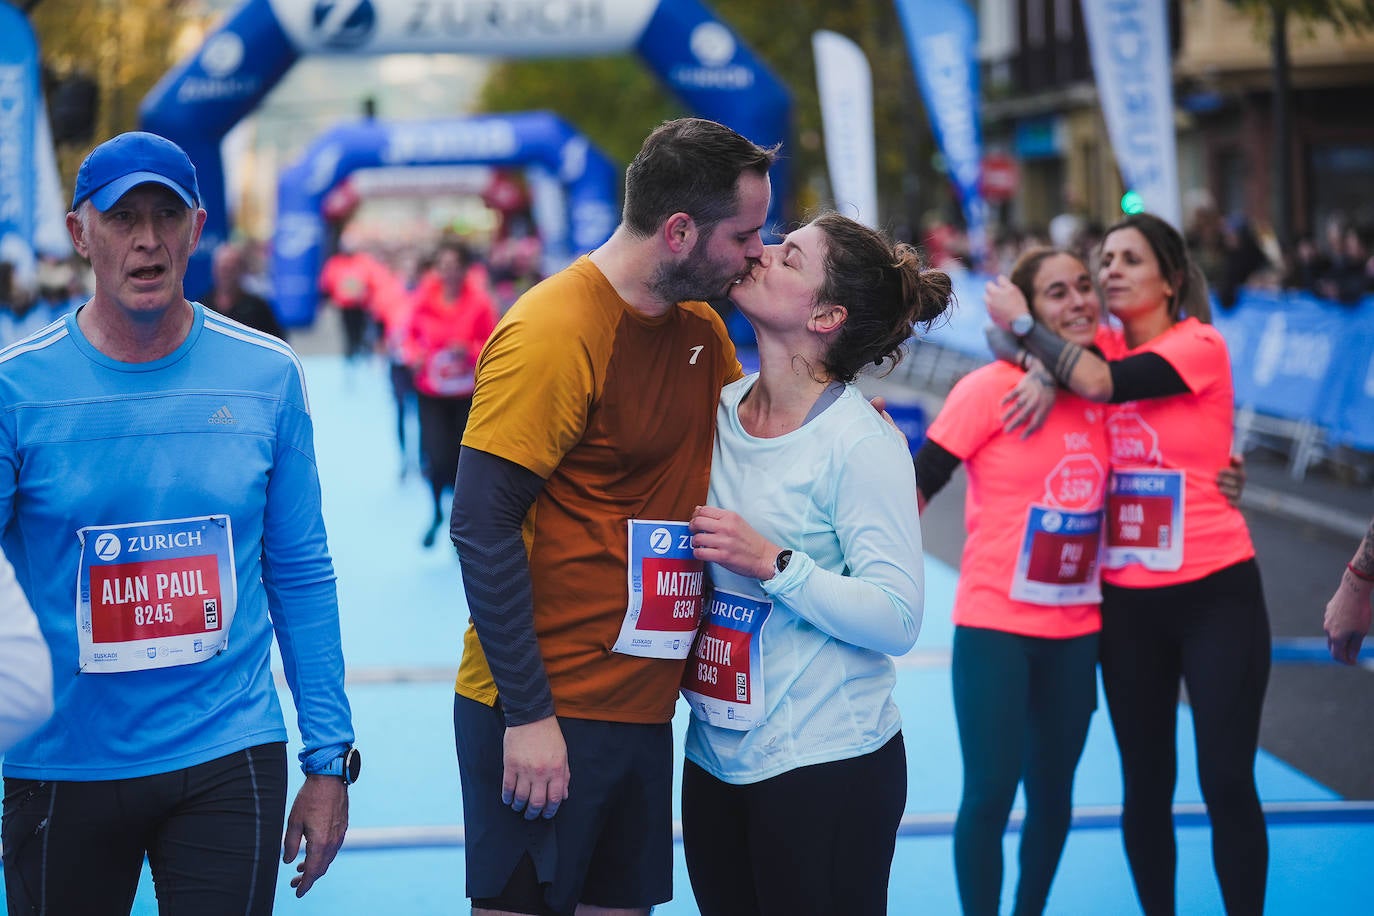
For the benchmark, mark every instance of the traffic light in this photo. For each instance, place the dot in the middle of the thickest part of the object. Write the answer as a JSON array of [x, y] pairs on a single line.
[[72, 108], [1132, 203]]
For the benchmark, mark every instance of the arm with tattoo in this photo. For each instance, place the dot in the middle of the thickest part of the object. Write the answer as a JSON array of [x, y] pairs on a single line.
[[1028, 404], [1082, 370], [1349, 610]]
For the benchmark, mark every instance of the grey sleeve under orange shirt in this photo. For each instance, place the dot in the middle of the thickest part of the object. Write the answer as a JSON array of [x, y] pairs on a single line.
[[491, 498]]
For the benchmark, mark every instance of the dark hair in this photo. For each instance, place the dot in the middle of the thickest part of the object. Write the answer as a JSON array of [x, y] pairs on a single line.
[[886, 290], [458, 247], [1027, 268], [690, 165], [1175, 265]]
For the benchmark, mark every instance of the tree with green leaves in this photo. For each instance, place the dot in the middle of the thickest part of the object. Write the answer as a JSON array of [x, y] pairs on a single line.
[[122, 46], [616, 102]]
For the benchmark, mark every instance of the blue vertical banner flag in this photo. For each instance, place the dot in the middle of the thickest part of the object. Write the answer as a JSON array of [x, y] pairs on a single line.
[[1129, 44], [942, 36], [20, 107]]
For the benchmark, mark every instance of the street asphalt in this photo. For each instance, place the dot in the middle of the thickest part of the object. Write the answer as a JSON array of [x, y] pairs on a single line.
[[1318, 716]]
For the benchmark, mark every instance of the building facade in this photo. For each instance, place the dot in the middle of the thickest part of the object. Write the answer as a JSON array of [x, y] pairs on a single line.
[[1041, 106]]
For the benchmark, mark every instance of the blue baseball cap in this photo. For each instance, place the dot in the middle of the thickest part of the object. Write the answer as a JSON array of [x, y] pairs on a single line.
[[132, 159]]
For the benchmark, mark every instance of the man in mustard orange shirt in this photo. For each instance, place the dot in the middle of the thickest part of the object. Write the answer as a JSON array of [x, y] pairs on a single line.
[[588, 447]]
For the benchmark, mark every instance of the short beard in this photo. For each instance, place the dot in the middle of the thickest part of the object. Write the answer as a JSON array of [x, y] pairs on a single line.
[[689, 280]]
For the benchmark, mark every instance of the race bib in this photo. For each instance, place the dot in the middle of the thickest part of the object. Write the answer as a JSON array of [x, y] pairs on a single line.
[[665, 582], [1145, 519], [154, 594], [447, 374], [1057, 563], [723, 682], [352, 290]]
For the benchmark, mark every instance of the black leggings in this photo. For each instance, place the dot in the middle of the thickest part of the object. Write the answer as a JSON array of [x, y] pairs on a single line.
[[814, 840], [442, 421], [212, 834], [403, 395], [355, 326], [1214, 635]]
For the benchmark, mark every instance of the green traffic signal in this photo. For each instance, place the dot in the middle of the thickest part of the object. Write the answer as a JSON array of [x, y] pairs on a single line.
[[1132, 202]]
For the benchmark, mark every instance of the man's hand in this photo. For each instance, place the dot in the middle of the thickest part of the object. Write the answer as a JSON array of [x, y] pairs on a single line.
[[1347, 618], [320, 815], [536, 775]]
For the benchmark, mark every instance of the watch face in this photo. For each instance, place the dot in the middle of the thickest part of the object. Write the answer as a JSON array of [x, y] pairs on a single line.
[[353, 765], [1021, 325]]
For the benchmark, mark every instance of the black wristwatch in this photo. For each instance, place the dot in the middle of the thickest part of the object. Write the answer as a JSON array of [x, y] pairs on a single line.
[[1023, 324], [781, 560], [346, 766]]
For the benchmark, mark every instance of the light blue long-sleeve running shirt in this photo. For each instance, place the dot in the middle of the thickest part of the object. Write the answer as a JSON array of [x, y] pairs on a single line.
[[219, 427], [841, 493]]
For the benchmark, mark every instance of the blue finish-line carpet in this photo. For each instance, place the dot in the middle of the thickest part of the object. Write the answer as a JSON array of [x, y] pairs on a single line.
[[403, 615]]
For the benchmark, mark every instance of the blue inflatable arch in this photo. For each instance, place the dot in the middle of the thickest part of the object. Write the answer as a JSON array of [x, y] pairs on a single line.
[[699, 59], [588, 178]]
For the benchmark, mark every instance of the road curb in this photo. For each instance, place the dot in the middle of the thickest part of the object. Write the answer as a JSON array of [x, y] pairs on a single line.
[[1296, 508]]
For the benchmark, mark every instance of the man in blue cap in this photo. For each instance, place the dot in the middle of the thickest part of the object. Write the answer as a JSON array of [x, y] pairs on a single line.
[[160, 456]]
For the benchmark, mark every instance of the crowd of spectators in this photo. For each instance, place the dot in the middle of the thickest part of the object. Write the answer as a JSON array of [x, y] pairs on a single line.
[[1234, 252], [1231, 252], [30, 302], [1340, 268]]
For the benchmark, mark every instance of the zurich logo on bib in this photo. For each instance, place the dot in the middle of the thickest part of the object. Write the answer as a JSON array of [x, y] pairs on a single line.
[[344, 24], [107, 546]]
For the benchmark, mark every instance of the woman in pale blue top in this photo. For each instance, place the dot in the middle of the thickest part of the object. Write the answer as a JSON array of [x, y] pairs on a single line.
[[795, 779]]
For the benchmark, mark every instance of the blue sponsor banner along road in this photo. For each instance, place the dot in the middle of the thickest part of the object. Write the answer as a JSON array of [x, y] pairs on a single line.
[[1297, 357], [1282, 355], [1351, 420], [1293, 356]]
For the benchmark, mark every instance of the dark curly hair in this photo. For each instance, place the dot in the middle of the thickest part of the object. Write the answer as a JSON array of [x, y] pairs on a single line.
[[886, 289], [458, 247]]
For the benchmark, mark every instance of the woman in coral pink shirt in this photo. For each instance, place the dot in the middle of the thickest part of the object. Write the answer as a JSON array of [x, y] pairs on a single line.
[[452, 317], [1026, 617], [1181, 596]]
